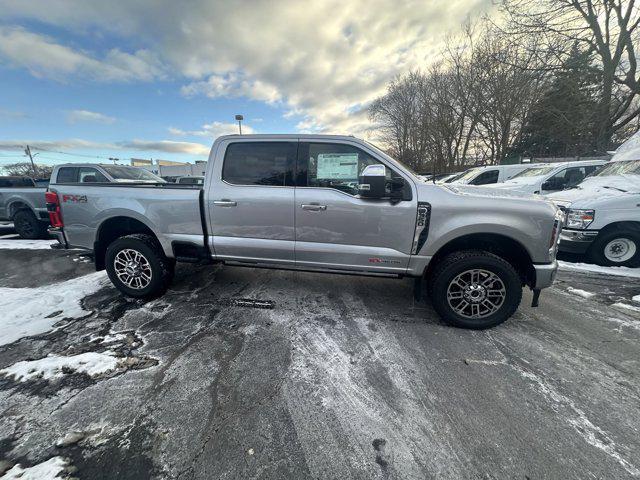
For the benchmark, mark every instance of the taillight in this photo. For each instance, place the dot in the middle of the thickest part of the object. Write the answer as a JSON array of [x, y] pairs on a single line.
[[53, 207]]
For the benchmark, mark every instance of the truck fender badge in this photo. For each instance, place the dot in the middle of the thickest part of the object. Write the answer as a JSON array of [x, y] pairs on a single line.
[[74, 198], [382, 260]]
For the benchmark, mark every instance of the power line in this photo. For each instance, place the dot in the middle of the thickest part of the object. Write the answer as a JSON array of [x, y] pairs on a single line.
[[71, 154]]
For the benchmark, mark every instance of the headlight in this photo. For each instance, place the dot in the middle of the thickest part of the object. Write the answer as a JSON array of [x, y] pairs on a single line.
[[579, 219]]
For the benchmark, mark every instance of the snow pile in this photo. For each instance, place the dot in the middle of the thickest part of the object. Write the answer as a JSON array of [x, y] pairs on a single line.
[[49, 470], [54, 366], [580, 293], [14, 242], [587, 267], [636, 299], [32, 311]]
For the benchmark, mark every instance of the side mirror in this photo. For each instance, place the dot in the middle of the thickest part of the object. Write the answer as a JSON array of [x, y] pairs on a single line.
[[373, 181]]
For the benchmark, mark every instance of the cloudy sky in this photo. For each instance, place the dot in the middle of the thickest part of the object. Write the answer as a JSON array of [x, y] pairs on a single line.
[[163, 78]]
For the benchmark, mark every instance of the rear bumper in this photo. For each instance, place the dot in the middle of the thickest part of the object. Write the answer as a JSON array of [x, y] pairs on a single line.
[[576, 241], [58, 233], [545, 274]]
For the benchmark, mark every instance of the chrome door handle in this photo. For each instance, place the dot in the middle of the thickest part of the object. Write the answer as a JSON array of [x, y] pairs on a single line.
[[314, 207], [225, 203]]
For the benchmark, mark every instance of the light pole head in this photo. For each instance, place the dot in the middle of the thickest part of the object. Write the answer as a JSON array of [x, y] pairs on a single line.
[[239, 118]]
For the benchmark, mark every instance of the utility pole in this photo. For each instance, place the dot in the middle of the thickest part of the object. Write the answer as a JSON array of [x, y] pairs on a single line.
[[33, 165], [239, 118]]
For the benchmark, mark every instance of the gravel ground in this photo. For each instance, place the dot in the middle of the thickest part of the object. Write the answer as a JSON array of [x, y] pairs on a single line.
[[246, 373]]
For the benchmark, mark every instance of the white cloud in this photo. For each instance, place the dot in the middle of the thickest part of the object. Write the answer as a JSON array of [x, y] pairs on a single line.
[[167, 146], [77, 116], [212, 130], [318, 59], [45, 58]]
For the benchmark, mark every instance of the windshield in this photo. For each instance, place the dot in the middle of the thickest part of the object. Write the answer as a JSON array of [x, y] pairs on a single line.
[[468, 175], [119, 172], [630, 167], [454, 177], [535, 172]]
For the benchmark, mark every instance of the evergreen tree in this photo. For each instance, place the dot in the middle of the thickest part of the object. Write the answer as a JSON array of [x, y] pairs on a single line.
[[562, 122]]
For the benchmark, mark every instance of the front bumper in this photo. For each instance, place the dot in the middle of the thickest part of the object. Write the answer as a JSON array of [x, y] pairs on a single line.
[[576, 241], [545, 274], [59, 235]]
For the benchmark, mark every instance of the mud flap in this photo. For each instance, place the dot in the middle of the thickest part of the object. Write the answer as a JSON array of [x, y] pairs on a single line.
[[536, 297]]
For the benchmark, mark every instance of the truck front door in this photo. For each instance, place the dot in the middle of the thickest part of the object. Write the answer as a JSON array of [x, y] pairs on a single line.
[[251, 201], [335, 228]]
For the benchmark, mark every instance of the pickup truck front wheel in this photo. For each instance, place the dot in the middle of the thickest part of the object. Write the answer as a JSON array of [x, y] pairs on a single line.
[[474, 289], [138, 267]]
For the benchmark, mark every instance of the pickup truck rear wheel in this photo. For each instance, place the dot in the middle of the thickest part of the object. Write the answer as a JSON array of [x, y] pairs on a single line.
[[28, 226], [138, 267], [474, 289]]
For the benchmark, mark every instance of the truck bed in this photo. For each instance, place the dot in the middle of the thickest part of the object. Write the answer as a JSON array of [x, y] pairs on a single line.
[[172, 212], [33, 197]]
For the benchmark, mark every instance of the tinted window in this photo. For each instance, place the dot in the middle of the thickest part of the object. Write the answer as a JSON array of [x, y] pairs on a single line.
[[334, 165], [485, 178], [259, 163], [67, 175], [134, 174], [91, 175]]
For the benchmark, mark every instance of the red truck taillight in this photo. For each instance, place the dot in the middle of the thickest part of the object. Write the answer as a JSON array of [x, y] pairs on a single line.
[[53, 207]]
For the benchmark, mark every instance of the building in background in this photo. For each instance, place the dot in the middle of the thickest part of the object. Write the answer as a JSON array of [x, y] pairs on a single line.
[[170, 170]]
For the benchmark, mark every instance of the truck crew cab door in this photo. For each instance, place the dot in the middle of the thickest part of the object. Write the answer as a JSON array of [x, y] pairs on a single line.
[[250, 201], [336, 229]]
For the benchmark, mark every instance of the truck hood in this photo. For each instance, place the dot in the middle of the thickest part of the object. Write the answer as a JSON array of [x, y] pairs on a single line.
[[597, 189], [489, 192]]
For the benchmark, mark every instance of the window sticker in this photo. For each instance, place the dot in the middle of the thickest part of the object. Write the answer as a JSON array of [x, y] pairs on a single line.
[[337, 166]]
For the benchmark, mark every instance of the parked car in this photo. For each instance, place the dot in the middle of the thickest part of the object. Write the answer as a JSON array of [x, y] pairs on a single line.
[[489, 174], [348, 208], [603, 212], [551, 177], [98, 173], [22, 202], [190, 180]]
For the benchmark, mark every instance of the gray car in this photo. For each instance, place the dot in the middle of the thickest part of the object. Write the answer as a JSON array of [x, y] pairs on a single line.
[[332, 204]]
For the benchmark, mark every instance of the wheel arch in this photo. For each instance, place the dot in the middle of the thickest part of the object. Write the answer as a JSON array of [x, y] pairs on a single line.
[[113, 228], [501, 245], [621, 225], [15, 206]]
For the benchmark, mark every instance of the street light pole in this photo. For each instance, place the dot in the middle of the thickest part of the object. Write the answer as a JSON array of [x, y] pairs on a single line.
[[33, 165], [239, 118]]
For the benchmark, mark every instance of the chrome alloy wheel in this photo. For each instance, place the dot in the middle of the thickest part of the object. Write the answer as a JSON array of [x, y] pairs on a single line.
[[476, 293], [132, 268], [620, 250]]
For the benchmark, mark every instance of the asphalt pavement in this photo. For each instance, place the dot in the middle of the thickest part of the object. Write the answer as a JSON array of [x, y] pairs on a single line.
[[248, 373]]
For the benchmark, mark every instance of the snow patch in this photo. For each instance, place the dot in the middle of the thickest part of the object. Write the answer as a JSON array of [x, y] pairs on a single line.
[[49, 470], [580, 293], [636, 299], [587, 267], [54, 366], [626, 306], [32, 311], [8, 242]]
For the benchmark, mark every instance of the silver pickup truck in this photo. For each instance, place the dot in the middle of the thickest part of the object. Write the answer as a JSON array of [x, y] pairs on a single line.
[[22, 202], [331, 204]]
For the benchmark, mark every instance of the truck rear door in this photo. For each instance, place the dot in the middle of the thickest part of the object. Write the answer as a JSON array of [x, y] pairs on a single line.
[[251, 201]]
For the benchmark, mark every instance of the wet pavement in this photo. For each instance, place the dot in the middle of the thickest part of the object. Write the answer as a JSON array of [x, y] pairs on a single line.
[[247, 373]]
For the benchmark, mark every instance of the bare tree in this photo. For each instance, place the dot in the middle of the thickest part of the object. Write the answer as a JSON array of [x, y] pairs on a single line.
[[607, 28], [24, 169]]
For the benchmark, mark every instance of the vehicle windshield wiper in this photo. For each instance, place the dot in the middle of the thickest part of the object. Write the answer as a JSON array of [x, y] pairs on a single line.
[[616, 188]]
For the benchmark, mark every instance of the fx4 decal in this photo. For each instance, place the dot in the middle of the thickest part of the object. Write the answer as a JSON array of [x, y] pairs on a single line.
[[74, 198]]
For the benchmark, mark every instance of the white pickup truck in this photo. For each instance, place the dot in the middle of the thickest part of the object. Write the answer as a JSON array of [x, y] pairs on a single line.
[[603, 212]]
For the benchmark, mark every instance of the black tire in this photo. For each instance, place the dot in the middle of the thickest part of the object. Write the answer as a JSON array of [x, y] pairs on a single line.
[[28, 226], [607, 240], [456, 264], [161, 268]]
